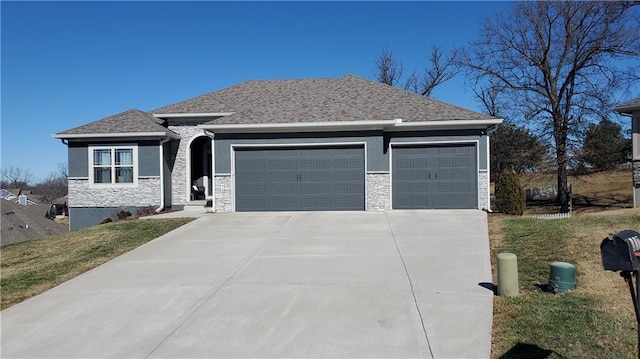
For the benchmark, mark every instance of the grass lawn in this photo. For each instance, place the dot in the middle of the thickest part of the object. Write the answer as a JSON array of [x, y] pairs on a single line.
[[594, 321], [32, 267]]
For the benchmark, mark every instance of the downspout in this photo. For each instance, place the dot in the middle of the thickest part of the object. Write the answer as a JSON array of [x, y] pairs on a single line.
[[68, 215], [488, 139], [162, 142]]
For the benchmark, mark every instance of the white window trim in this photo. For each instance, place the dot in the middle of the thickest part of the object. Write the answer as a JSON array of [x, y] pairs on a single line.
[[132, 147]]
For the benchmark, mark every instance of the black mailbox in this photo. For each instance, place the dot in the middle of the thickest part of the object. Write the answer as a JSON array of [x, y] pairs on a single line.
[[621, 251]]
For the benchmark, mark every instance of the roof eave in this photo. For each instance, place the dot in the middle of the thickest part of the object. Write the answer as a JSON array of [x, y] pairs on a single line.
[[447, 124], [128, 135], [388, 125], [629, 109], [192, 115], [302, 126]]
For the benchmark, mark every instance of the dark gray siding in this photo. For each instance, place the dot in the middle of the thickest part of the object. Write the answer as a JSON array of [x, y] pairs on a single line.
[[148, 157], [78, 160], [82, 217], [167, 166], [377, 156]]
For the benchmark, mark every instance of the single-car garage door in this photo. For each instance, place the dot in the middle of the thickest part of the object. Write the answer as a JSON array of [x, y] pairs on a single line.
[[434, 176], [300, 178]]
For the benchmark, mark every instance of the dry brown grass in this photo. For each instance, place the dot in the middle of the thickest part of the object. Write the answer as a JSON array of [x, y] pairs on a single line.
[[608, 288], [595, 192]]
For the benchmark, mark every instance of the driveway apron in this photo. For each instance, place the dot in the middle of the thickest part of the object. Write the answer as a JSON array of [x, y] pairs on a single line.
[[398, 284]]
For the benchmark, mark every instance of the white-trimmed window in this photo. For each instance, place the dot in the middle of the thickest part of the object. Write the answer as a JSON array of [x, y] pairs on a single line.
[[113, 165]]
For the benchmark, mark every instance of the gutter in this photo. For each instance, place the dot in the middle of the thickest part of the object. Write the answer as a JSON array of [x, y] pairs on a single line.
[[64, 136], [300, 126], [627, 110], [450, 124], [396, 124]]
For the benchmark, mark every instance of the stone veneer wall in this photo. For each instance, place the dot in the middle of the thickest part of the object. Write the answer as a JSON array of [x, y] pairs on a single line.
[[378, 191], [483, 190], [186, 130], [222, 189], [146, 193]]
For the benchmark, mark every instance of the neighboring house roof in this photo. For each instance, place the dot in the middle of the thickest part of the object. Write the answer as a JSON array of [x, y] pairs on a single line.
[[629, 106], [15, 193], [6, 194], [129, 123], [61, 200], [349, 98], [21, 223]]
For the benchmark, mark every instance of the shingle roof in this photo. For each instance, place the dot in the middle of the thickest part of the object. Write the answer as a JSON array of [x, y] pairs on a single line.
[[21, 223], [131, 121], [349, 98], [627, 107]]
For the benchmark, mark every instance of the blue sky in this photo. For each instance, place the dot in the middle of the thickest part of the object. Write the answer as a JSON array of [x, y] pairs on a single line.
[[65, 64]]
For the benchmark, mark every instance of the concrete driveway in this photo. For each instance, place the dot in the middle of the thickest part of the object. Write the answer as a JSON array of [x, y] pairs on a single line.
[[324, 284]]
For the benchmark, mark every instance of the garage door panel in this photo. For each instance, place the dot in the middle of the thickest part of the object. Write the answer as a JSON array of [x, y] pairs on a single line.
[[314, 176], [303, 178], [434, 176]]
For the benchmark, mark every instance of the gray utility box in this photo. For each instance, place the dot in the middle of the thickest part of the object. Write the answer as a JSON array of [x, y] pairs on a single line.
[[621, 251]]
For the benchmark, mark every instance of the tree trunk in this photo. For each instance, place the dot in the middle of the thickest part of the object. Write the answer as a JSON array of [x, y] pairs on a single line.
[[563, 188]]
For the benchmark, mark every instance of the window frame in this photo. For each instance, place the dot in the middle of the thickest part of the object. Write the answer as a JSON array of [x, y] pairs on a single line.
[[112, 165]]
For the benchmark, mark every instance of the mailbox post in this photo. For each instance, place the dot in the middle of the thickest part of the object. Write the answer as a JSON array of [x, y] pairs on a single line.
[[621, 252]]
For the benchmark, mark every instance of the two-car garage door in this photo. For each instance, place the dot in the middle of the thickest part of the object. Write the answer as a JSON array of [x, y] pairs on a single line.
[[300, 178], [317, 178]]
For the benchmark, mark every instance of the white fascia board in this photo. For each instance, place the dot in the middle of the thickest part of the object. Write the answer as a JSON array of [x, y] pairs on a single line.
[[187, 115], [302, 126], [112, 135], [627, 109], [448, 124]]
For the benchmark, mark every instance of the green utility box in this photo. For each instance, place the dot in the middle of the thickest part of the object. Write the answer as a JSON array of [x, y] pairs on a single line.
[[562, 277]]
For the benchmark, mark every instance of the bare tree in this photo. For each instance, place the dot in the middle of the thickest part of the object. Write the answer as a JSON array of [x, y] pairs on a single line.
[[388, 70], [16, 177], [440, 69], [489, 97], [558, 61], [62, 169], [52, 187]]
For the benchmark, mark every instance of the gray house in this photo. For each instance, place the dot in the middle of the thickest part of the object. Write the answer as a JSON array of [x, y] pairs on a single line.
[[632, 109], [283, 145]]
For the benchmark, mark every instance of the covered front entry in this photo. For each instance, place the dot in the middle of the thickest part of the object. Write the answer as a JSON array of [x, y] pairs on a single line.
[[305, 178], [434, 176], [200, 168]]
